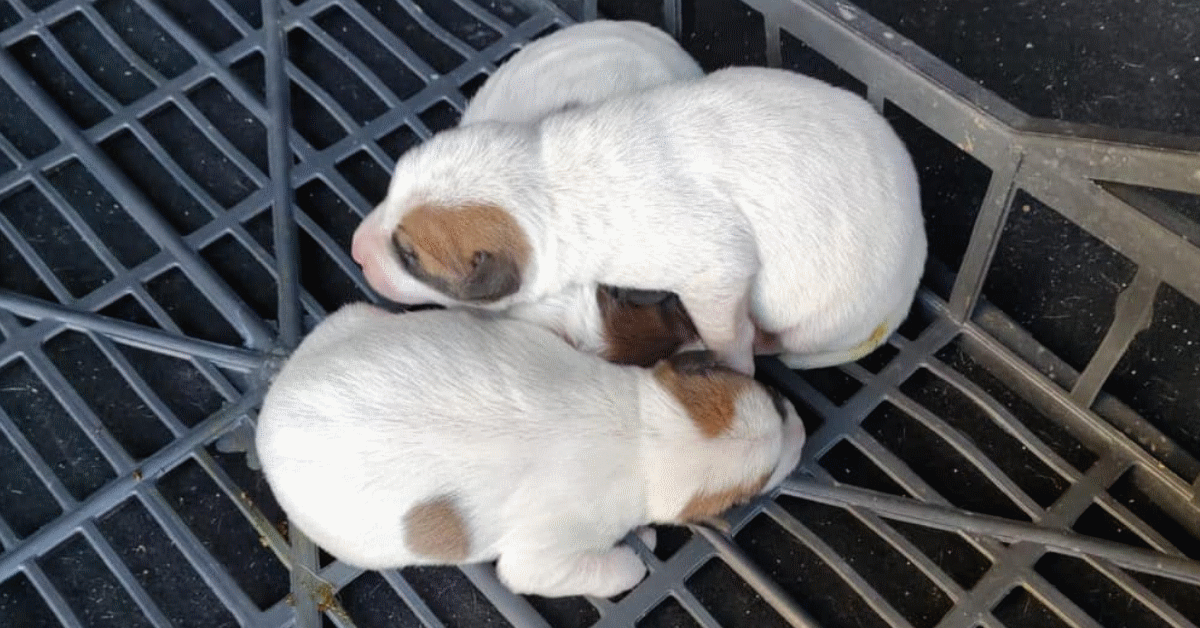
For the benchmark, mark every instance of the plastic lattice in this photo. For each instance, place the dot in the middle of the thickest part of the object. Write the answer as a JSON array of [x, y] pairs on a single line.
[[179, 180]]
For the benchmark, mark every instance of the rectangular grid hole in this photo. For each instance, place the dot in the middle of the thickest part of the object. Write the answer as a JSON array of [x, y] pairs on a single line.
[[313, 121], [92, 591], [436, 53], [100, 60], [848, 465], [705, 28], [564, 612], [370, 601], [879, 358], [670, 539], [1047, 430], [399, 141], [948, 550], [332, 75], [203, 21], [389, 68], [233, 121], [52, 432], [511, 12], [250, 10], [128, 309], [1139, 492], [41, 64], [452, 597], [23, 129], [165, 194], [245, 274], [122, 235], [1100, 597], [223, 531], [463, 25], [892, 575], [186, 305], [1097, 522], [1158, 375], [953, 185], [1182, 597], [58, 245], [834, 383], [21, 606], [943, 468], [1020, 608], [25, 503], [124, 414], [668, 614], [162, 570], [366, 175], [189, 395], [252, 70], [323, 278], [798, 57], [441, 116], [795, 568], [224, 181], [145, 37], [729, 599], [18, 275], [1064, 297], [1037, 479]]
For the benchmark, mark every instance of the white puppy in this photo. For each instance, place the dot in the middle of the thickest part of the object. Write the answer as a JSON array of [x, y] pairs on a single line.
[[579, 65], [761, 197], [449, 437]]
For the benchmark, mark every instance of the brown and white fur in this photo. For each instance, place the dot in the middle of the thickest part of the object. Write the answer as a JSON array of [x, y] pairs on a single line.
[[453, 436], [761, 197]]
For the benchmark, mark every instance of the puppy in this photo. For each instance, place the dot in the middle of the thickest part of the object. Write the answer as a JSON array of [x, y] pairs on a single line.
[[451, 436], [761, 197], [579, 65]]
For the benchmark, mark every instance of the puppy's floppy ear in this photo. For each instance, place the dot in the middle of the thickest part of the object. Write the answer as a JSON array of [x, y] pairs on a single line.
[[493, 276], [642, 330], [471, 252], [707, 389]]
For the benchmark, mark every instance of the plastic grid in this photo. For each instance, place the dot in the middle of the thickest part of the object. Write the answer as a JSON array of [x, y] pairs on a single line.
[[152, 284]]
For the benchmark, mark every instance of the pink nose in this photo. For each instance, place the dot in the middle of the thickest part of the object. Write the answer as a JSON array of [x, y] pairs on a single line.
[[358, 247]]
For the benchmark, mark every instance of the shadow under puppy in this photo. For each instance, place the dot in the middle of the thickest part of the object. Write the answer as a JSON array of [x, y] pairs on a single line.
[[449, 437], [774, 205]]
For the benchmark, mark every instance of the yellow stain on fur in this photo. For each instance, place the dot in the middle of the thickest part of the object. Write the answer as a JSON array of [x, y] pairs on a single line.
[[435, 529]]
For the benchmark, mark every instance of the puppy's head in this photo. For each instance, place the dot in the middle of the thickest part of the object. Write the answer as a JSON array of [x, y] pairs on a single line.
[[721, 439], [642, 327]]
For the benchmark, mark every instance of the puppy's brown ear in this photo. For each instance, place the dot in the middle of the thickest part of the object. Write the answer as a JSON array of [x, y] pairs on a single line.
[[707, 389], [641, 327], [493, 276], [471, 252]]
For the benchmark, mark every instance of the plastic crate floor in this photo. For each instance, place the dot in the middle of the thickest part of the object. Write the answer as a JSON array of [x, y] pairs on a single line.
[[177, 196]]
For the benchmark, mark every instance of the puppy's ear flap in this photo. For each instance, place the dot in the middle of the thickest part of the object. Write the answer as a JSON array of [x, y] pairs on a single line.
[[696, 363], [493, 276]]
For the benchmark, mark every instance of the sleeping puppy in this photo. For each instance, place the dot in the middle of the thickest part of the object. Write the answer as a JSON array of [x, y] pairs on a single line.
[[451, 436], [761, 197], [579, 65]]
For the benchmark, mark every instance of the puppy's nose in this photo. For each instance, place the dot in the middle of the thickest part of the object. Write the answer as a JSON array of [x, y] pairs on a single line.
[[358, 247]]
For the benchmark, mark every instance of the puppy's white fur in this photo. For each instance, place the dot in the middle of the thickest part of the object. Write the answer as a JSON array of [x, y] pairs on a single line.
[[579, 65], [550, 455], [760, 196]]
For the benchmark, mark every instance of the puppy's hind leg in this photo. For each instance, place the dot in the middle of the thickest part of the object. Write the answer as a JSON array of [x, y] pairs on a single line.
[[599, 573]]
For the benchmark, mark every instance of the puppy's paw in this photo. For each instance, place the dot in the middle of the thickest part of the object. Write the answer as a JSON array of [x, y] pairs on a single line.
[[623, 571]]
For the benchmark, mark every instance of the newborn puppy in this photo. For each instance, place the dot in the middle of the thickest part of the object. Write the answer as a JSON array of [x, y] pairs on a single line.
[[763, 198], [449, 437], [580, 65]]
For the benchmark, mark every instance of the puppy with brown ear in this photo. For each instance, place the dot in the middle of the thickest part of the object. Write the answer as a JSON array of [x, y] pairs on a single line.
[[762, 198], [450, 437]]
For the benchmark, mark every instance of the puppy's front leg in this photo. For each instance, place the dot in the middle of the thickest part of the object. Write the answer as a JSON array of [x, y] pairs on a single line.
[[595, 573], [724, 325]]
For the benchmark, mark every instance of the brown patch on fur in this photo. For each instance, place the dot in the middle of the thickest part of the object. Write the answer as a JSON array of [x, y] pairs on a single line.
[[473, 252], [706, 505], [642, 327], [435, 529], [707, 389]]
